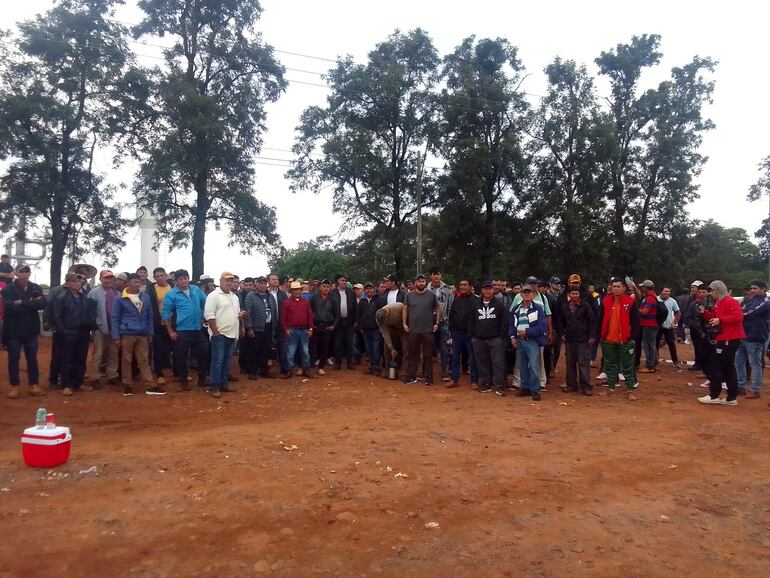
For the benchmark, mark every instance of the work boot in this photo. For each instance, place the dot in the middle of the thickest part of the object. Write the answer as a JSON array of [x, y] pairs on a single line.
[[13, 393], [36, 390]]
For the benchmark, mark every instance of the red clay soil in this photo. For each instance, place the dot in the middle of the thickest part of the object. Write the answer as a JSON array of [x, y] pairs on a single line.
[[186, 485]]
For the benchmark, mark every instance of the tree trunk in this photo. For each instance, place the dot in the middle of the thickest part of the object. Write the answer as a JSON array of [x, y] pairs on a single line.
[[199, 229], [396, 245], [58, 247]]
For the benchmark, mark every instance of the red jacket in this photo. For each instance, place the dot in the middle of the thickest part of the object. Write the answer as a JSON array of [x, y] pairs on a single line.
[[627, 309], [730, 315], [296, 313]]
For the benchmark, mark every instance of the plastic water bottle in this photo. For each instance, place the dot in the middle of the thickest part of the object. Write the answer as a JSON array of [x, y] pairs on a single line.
[[50, 421], [40, 418]]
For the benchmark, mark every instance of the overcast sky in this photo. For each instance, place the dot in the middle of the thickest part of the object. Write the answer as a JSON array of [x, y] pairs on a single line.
[[734, 34]]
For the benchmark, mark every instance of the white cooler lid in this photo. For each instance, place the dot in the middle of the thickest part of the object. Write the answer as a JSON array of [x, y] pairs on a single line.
[[58, 431]]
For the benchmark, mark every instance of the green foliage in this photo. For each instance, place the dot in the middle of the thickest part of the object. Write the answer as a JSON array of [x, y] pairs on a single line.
[[197, 123], [371, 137], [60, 88]]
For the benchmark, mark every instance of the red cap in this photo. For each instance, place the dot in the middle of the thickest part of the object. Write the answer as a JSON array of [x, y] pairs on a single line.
[[106, 273]]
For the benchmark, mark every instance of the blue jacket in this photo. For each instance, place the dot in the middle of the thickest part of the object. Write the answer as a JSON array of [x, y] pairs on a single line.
[[756, 319], [127, 320], [537, 329], [186, 312]]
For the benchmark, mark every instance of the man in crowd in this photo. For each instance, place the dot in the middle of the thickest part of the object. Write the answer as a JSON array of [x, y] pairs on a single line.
[[104, 297], [444, 297], [421, 317], [538, 298], [394, 293], [488, 329], [756, 325], [648, 321], [297, 325], [132, 329], [222, 314], [345, 310], [182, 314], [6, 269], [462, 309], [666, 331], [261, 314], [73, 315], [22, 301], [726, 320], [579, 329], [527, 330], [324, 322], [618, 327], [389, 321], [206, 283], [161, 344], [366, 319], [278, 296], [246, 343]]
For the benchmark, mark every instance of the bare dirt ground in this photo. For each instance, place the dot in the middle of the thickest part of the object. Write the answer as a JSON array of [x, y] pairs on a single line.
[[186, 485]]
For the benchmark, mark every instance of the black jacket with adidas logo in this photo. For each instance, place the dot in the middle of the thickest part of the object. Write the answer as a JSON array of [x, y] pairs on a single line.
[[488, 321]]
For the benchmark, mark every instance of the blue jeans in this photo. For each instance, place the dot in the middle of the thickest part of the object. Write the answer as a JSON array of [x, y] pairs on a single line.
[[298, 340], [29, 345], [373, 343], [528, 362], [461, 342], [751, 352], [221, 355], [440, 338], [650, 346]]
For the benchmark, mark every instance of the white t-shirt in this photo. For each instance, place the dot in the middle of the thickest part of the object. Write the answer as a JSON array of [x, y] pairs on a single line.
[[343, 303], [392, 296], [224, 309], [673, 307]]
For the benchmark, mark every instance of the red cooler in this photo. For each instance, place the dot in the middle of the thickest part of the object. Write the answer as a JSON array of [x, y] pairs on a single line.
[[46, 448]]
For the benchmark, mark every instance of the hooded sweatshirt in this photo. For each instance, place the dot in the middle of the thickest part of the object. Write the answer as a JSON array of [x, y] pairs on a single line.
[[729, 313]]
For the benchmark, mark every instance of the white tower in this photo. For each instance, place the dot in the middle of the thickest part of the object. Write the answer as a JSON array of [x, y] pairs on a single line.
[[148, 256]]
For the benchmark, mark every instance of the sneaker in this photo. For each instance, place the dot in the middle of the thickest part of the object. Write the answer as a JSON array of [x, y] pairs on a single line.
[[500, 391], [410, 380], [306, 374], [127, 391], [485, 388], [523, 393], [621, 377], [710, 400], [536, 396], [428, 382], [445, 377], [321, 372], [86, 388], [587, 392], [155, 390], [474, 385], [13, 393], [631, 396], [227, 389], [452, 385], [215, 393], [706, 384], [66, 392], [724, 386], [161, 380], [602, 376], [730, 402]]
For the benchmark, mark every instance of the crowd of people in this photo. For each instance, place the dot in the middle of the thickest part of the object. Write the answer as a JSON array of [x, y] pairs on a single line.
[[506, 336]]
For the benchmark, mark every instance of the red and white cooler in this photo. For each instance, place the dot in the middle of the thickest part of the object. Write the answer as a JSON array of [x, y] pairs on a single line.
[[46, 448]]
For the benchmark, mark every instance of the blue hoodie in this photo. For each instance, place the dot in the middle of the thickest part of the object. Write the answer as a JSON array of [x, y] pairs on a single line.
[[126, 318], [756, 319]]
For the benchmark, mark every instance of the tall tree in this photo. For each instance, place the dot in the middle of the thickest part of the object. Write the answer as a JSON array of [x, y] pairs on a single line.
[[486, 116], [566, 204], [59, 88], [198, 123], [756, 191], [369, 142]]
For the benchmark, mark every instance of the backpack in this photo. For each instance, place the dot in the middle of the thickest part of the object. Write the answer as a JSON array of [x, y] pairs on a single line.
[[661, 314]]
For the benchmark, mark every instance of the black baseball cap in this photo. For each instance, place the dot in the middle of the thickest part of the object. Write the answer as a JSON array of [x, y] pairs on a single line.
[[420, 276], [486, 285]]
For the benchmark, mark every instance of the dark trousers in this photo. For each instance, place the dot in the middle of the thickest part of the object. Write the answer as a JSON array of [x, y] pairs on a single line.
[[555, 350], [722, 368], [650, 345], [15, 346], [420, 343], [490, 361], [161, 351], [548, 360], [700, 348], [191, 343], [578, 366], [262, 342], [373, 345], [668, 336], [343, 342], [247, 361], [321, 344], [462, 345], [74, 353], [54, 369]]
